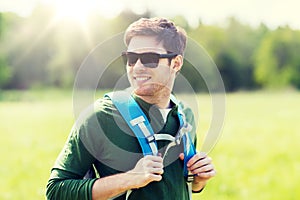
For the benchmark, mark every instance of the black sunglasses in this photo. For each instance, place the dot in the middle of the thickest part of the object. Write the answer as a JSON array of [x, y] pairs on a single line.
[[148, 59]]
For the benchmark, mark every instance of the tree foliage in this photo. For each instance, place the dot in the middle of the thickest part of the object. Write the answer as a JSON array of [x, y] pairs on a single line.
[[39, 51], [277, 59], [4, 69]]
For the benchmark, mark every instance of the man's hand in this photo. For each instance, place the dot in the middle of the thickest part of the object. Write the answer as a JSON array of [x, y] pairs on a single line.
[[147, 169], [201, 166]]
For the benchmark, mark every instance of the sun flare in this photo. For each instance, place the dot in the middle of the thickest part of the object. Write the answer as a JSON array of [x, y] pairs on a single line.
[[80, 10], [74, 10]]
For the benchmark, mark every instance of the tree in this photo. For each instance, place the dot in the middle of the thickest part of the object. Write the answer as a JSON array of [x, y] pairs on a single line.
[[5, 72], [277, 61], [236, 54], [232, 47]]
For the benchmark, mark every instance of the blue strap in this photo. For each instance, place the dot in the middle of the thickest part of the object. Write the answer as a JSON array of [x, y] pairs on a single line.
[[129, 110], [189, 148], [189, 152]]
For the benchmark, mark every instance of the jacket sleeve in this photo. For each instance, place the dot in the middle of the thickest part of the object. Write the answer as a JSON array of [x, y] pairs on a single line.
[[66, 179], [68, 187]]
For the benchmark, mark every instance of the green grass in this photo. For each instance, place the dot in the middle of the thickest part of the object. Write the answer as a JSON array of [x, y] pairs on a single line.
[[257, 156]]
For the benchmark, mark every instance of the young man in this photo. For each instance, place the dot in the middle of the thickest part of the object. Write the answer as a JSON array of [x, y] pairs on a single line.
[[102, 138]]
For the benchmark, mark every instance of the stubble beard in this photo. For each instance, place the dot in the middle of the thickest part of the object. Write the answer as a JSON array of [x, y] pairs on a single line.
[[153, 90]]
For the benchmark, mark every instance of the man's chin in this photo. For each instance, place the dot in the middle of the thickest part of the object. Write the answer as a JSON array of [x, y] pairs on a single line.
[[150, 90], [144, 92]]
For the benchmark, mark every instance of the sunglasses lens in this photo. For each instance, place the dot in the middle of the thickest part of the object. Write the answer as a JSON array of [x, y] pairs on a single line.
[[131, 59], [124, 58], [150, 60]]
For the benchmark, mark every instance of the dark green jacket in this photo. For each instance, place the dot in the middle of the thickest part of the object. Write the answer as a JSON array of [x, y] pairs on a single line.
[[101, 137]]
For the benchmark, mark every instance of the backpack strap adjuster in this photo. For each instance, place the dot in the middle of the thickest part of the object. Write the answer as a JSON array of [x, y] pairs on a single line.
[[190, 178], [150, 138]]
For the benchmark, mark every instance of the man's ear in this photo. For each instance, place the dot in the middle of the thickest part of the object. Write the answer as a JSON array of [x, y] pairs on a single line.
[[177, 63]]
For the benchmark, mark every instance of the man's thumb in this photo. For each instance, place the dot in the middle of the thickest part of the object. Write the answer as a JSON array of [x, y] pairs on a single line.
[[181, 156]]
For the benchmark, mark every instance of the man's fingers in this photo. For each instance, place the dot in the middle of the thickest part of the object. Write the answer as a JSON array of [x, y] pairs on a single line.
[[154, 158], [196, 157], [158, 171], [207, 175], [153, 164], [181, 156], [155, 177], [201, 163], [203, 169]]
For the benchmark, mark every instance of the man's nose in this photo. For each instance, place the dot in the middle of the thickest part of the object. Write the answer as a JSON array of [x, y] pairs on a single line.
[[139, 65]]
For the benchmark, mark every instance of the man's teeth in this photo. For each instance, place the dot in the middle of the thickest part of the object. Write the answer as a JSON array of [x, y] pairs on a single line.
[[141, 78]]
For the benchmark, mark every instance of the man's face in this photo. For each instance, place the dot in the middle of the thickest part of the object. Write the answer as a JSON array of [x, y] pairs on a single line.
[[150, 81]]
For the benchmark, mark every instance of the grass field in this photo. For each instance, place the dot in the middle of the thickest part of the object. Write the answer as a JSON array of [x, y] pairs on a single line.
[[257, 156]]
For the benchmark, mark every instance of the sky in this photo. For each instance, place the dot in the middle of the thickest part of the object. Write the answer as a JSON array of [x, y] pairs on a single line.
[[273, 13]]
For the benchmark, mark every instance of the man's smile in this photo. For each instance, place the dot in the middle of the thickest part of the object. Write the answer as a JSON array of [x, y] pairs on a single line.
[[141, 78]]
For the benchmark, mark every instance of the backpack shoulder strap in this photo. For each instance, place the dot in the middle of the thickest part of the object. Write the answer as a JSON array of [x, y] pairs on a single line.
[[189, 148], [136, 120]]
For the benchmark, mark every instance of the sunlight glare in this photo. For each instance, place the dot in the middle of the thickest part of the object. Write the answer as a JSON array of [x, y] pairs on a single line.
[[75, 10], [109, 9]]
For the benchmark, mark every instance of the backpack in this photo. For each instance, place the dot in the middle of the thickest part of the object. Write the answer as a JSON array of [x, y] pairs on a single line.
[[139, 124]]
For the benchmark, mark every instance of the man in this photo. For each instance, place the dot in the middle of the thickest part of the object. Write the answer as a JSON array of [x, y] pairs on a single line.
[[103, 140]]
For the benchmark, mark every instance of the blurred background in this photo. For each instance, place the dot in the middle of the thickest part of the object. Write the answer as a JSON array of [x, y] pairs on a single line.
[[255, 45]]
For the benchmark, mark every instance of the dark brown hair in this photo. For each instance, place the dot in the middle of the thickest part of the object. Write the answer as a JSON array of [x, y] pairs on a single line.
[[164, 30]]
